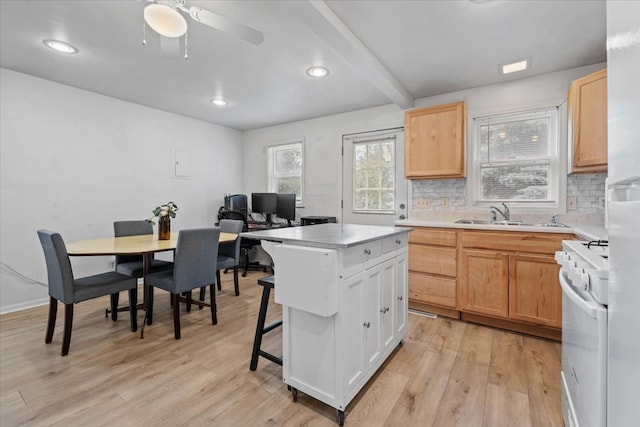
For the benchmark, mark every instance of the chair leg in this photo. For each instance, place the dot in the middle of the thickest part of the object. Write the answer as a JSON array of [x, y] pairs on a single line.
[[203, 290], [68, 323], [218, 280], [257, 340], [51, 324], [149, 312], [188, 297], [133, 308], [235, 280], [176, 315], [114, 306], [212, 303]]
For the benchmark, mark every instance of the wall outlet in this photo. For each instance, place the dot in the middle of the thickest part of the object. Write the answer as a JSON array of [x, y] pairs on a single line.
[[572, 203], [601, 202], [444, 202], [423, 203]]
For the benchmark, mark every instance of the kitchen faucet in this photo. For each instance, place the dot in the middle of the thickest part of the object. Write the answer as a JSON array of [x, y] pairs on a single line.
[[506, 215]]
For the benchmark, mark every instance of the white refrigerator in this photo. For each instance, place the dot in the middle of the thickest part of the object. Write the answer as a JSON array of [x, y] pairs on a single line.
[[623, 69]]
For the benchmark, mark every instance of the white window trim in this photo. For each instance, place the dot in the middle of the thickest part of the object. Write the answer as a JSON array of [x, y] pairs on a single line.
[[558, 160], [283, 144]]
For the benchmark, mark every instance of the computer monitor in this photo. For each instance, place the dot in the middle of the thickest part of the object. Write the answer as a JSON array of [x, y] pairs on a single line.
[[265, 203], [286, 208]]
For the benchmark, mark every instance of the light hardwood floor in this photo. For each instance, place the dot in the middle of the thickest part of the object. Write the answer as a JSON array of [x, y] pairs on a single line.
[[445, 373]]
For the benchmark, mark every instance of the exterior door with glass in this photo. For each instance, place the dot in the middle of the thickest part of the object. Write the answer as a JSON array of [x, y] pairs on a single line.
[[374, 190]]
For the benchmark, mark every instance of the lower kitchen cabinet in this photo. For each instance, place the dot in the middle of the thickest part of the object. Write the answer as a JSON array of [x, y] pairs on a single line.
[[510, 280], [534, 292], [485, 282]]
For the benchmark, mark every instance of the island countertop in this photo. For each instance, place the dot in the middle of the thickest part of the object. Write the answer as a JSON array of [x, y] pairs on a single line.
[[330, 235]]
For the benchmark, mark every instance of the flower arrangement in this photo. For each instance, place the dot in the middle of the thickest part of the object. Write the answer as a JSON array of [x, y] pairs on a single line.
[[168, 209]]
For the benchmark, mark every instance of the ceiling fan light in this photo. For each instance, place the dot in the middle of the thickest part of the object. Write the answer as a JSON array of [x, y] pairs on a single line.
[[165, 20]]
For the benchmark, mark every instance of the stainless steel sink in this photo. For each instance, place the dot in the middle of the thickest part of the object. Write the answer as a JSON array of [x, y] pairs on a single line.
[[482, 221], [509, 223], [553, 224], [472, 221]]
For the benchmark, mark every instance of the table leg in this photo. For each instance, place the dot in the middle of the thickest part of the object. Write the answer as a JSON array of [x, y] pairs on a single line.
[[147, 291]]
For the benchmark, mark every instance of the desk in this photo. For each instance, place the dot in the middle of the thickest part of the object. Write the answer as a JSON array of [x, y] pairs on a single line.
[[144, 245]]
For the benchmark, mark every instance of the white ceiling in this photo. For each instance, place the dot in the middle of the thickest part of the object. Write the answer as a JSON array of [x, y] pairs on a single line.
[[402, 50]]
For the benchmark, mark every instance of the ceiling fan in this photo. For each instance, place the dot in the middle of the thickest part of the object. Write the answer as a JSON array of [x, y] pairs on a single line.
[[165, 18]]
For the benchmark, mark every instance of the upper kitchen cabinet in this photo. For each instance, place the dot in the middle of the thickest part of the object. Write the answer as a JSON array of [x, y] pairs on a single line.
[[434, 142], [588, 123]]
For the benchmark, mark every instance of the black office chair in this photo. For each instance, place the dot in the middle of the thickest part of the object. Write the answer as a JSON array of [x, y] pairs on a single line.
[[64, 287], [194, 267]]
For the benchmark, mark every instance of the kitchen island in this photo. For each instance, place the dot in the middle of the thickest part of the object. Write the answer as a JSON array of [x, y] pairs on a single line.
[[343, 290]]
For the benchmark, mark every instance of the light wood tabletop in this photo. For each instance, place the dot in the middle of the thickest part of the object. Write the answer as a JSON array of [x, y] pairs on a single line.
[[129, 245]]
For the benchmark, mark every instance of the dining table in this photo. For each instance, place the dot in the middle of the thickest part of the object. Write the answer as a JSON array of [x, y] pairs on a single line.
[[145, 245]]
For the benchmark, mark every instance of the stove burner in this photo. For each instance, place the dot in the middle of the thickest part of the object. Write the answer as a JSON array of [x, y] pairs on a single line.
[[604, 243]]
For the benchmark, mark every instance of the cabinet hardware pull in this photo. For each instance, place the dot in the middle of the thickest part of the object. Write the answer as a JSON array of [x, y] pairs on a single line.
[[400, 298], [398, 241], [384, 310], [367, 251], [367, 324]]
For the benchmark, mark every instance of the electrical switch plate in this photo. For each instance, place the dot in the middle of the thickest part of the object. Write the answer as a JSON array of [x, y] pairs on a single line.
[[572, 203], [445, 202]]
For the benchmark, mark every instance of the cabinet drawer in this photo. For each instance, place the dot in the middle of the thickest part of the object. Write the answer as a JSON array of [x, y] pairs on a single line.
[[394, 243], [432, 259], [432, 289], [515, 241], [357, 258], [433, 236]]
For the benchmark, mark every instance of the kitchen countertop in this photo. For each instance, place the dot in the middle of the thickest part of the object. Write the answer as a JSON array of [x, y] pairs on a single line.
[[330, 235], [582, 231], [452, 224], [591, 232]]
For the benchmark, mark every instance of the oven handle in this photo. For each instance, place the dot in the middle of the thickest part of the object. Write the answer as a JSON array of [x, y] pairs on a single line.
[[588, 307]]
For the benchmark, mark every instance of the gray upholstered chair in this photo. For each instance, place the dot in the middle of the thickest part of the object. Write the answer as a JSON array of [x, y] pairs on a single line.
[[228, 253], [132, 265], [194, 266], [64, 287]]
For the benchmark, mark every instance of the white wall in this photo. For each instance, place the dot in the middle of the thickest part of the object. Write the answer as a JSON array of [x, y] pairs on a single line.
[[323, 136], [74, 161]]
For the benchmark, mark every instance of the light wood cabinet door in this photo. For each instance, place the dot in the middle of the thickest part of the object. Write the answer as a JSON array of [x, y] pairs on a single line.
[[434, 142], [588, 123], [485, 282], [534, 292]]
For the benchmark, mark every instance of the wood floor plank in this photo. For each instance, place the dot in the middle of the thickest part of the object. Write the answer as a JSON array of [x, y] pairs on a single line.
[[112, 377], [506, 408], [542, 365], [507, 368]]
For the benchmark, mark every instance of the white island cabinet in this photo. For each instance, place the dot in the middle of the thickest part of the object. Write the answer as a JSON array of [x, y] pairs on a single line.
[[343, 290]]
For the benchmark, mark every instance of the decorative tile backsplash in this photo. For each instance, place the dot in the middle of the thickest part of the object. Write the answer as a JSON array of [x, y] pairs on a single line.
[[589, 190], [451, 194]]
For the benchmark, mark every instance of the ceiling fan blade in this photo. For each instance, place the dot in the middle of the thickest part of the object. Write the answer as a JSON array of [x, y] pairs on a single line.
[[221, 23]]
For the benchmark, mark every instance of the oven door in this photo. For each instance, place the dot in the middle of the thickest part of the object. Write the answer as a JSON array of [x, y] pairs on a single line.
[[584, 359]]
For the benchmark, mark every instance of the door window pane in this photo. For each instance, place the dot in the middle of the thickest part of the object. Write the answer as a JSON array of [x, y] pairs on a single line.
[[374, 176]]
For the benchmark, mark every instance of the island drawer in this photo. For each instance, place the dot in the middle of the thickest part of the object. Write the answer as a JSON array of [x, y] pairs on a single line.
[[360, 257], [394, 243]]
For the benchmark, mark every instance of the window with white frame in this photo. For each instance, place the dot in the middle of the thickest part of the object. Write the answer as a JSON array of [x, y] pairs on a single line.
[[286, 165], [374, 175], [517, 159]]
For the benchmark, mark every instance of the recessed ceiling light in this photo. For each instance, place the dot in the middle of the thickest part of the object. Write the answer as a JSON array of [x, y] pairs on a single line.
[[220, 102], [60, 46], [514, 66], [318, 72]]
